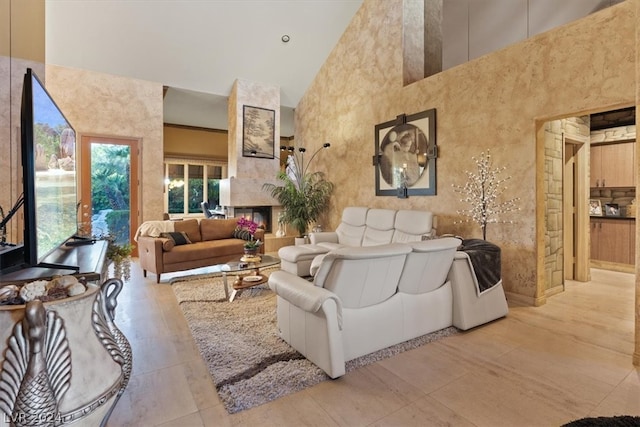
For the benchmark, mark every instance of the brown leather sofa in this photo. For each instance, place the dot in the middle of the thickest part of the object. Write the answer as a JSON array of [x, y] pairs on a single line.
[[212, 242]]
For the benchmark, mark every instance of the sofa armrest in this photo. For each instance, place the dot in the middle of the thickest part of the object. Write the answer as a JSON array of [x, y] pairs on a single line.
[[323, 236], [150, 254], [301, 293], [470, 307]]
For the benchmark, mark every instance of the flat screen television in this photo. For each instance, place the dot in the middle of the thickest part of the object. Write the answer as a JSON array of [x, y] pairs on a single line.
[[48, 147]]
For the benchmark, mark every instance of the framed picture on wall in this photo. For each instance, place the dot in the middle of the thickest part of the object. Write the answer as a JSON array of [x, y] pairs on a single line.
[[595, 207], [405, 159], [258, 132]]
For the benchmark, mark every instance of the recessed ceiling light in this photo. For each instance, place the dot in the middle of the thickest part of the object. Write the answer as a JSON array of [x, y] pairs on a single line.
[[285, 38]]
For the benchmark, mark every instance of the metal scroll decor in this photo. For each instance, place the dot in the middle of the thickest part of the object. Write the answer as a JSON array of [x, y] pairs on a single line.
[[37, 367]]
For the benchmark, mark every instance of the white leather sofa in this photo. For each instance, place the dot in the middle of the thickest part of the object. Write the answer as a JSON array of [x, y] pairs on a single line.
[[359, 226], [471, 305], [367, 298]]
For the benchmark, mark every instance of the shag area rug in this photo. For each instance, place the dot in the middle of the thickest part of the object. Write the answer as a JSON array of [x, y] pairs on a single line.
[[616, 421], [248, 362]]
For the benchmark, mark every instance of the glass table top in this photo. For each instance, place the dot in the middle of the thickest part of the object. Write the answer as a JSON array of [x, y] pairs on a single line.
[[236, 266]]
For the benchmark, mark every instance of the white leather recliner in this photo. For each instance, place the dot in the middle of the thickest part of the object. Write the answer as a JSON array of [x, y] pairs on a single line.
[[364, 299]]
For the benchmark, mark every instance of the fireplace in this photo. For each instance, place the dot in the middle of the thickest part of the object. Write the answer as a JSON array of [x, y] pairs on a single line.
[[261, 215]]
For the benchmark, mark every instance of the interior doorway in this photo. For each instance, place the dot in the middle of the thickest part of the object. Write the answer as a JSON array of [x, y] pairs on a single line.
[[109, 182]]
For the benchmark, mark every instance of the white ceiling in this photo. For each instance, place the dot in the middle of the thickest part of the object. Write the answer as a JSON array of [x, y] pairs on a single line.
[[199, 47]]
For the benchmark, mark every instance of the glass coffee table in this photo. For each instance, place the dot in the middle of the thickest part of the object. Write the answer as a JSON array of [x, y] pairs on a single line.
[[247, 274]]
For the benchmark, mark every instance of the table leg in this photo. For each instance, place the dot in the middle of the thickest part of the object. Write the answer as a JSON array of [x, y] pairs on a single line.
[[226, 285], [234, 294]]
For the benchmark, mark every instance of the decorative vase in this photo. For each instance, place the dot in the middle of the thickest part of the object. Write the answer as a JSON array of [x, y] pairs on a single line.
[[81, 341], [122, 268], [251, 251]]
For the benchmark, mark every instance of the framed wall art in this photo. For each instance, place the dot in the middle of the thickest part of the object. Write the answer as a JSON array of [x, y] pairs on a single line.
[[405, 159], [258, 132]]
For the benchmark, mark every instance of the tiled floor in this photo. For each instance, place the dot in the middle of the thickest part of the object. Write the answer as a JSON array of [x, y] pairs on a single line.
[[540, 366]]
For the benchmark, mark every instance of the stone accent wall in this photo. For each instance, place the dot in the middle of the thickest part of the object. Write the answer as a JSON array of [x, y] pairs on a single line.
[[620, 133], [553, 179]]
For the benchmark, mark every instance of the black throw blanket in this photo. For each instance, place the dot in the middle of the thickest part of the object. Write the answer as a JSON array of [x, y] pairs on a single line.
[[485, 258]]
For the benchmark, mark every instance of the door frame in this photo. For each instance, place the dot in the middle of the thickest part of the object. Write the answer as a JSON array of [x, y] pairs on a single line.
[[84, 182], [579, 220]]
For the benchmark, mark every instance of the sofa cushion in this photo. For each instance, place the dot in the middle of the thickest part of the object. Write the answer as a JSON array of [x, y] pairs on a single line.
[[189, 226], [362, 276], [204, 250], [427, 265], [178, 238], [301, 252], [413, 226], [352, 226], [216, 229], [379, 227], [328, 246]]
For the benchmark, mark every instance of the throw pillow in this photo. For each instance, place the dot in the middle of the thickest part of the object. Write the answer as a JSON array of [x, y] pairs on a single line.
[[167, 244], [242, 233], [178, 237], [189, 226]]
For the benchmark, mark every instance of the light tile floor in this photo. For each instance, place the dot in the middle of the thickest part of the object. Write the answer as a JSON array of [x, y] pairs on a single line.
[[540, 366]]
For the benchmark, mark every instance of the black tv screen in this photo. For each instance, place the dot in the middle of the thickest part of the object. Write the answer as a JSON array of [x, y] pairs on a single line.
[[49, 172]]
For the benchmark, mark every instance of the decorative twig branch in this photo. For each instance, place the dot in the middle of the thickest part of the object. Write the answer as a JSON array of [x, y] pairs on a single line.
[[3, 229], [482, 192]]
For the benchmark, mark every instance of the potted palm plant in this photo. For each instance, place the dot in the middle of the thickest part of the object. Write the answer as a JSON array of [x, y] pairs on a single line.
[[303, 195]]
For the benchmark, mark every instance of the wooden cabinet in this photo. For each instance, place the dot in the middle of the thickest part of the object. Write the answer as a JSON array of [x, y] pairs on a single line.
[[632, 243], [612, 165], [613, 240]]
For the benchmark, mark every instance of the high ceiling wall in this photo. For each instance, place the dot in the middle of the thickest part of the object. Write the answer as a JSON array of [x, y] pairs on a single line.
[[495, 103]]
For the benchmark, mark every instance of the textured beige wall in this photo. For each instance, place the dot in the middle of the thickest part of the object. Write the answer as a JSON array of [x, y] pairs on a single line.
[[5, 28], [27, 29], [107, 105], [498, 102]]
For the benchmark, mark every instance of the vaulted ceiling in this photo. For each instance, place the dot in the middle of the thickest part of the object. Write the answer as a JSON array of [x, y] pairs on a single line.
[[199, 47]]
